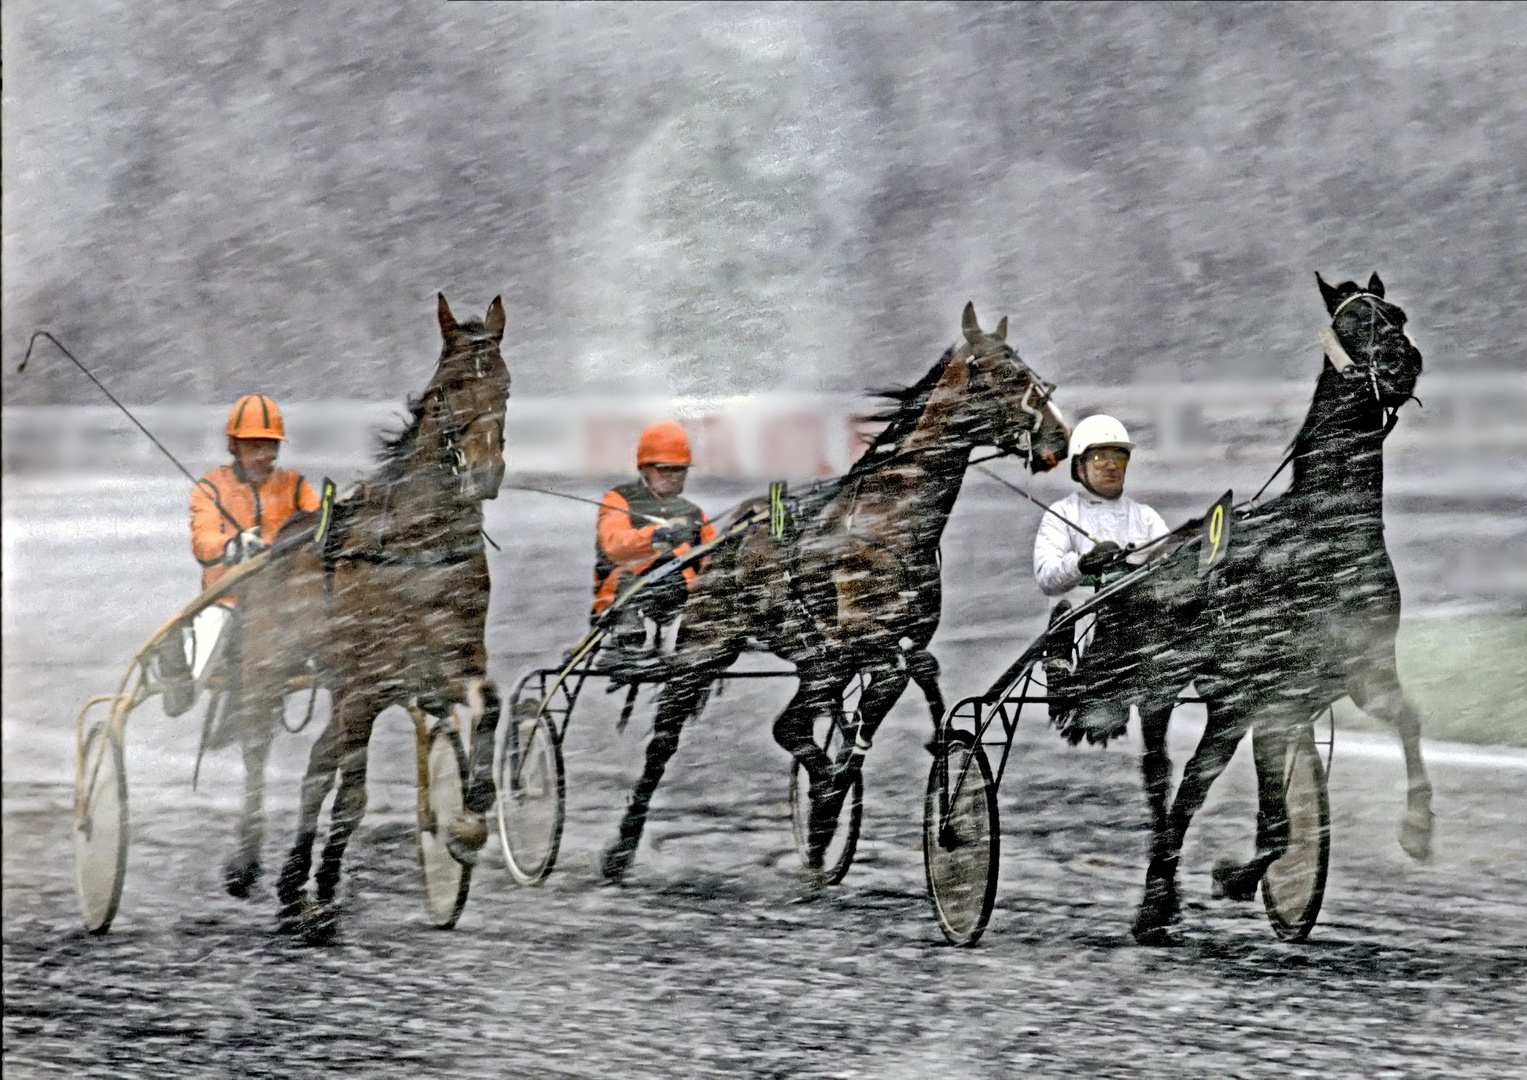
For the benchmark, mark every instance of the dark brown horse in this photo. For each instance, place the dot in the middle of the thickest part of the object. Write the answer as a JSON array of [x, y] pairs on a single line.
[[856, 588], [1303, 611], [392, 603]]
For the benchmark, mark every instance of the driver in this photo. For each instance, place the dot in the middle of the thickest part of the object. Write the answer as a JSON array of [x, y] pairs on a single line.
[[1065, 557], [259, 497], [641, 523]]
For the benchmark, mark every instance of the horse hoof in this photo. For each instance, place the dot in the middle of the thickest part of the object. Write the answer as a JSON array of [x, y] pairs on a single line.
[[320, 923], [1153, 937], [1416, 834], [813, 882], [1232, 881], [239, 878], [617, 860], [465, 835]]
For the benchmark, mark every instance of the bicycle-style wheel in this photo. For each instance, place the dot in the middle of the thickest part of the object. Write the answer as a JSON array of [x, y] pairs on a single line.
[[100, 827], [532, 794], [446, 881], [1293, 887], [961, 847], [830, 735]]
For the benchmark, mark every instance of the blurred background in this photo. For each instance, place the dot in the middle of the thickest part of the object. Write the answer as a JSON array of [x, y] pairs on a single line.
[[749, 215], [703, 199]]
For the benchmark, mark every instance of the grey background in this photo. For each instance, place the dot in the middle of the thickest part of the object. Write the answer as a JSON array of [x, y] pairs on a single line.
[[204, 198]]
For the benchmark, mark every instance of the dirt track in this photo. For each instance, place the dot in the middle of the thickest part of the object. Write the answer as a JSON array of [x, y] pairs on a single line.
[[706, 962]]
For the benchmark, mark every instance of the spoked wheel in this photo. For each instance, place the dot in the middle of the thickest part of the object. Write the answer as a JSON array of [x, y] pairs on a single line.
[[532, 793], [832, 734], [446, 881], [961, 847], [1293, 887], [100, 827]]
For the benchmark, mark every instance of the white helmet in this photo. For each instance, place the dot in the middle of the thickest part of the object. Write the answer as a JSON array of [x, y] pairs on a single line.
[[1099, 430]]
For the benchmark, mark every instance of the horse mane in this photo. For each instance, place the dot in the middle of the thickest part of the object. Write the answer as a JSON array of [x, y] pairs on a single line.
[[393, 448], [903, 417]]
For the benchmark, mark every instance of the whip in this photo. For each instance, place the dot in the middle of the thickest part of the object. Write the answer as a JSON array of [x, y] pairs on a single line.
[[128, 413]]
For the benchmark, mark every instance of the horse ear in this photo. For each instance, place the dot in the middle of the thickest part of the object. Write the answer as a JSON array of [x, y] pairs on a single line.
[[447, 320], [1375, 286], [968, 322], [495, 320], [1331, 296], [1001, 334]]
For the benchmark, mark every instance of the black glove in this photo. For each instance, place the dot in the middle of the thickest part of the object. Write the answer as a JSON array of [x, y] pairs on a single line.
[[668, 537], [1099, 558]]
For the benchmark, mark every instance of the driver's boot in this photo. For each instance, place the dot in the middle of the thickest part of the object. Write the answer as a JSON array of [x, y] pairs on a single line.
[[1059, 664], [175, 671]]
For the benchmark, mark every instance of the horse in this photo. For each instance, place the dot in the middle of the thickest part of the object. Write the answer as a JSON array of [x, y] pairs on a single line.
[[1303, 611], [391, 601], [856, 587]]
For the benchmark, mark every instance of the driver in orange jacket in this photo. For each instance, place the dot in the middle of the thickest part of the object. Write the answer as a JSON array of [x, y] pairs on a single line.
[[236, 511], [641, 523]]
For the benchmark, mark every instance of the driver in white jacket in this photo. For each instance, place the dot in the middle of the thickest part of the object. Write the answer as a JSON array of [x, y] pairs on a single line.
[[1065, 558]]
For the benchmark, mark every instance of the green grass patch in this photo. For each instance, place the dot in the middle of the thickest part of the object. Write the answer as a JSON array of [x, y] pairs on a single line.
[[1466, 675]]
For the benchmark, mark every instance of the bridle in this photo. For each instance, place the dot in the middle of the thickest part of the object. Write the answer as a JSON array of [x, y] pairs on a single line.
[[1035, 399], [1341, 360], [453, 428]]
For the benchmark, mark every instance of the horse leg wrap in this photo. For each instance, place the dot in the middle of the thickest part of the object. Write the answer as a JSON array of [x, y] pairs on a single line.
[[478, 798]]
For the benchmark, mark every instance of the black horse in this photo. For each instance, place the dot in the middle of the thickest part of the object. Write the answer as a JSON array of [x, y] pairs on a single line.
[[1303, 611]]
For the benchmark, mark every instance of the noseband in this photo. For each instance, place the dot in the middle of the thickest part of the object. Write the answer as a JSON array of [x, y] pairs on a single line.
[[1341, 360]]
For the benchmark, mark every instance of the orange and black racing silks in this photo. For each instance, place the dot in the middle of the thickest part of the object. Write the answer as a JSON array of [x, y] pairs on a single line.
[[264, 506], [623, 547]]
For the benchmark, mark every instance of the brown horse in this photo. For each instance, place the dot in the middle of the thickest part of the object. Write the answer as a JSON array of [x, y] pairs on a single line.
[[856, 588], [392, 602]]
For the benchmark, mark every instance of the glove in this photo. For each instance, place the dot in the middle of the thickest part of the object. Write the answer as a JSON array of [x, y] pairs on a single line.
[[668, 537], [246, 545], [1099, 558]]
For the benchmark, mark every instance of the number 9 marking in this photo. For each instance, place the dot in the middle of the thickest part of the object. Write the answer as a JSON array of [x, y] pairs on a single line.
[[1216, 531]]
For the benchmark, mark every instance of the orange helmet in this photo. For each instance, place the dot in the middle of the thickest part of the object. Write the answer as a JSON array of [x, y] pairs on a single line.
[[255, 416], [663, 443]]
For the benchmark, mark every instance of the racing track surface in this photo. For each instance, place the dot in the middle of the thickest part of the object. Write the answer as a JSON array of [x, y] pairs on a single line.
[[707, 962]]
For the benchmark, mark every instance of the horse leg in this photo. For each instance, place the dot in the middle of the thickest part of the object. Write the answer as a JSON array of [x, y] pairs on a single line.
[[348, 810], [819, 691], [1158, 907], [885, 688], [257, 730], [1156, 767], [317, 782], [1387, 701], [681, 698], [467, 831], [1269, 746], [924, 669]]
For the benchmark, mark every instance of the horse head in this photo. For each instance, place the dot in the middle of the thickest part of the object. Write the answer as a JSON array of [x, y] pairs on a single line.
[[465, 401], [1012, 406], [1366, 341]]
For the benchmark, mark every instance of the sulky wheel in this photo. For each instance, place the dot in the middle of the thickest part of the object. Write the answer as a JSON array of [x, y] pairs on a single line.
[[960, 839], [532, 793], [446, 881], [100, 827], [1293, 887], [831, 733]]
